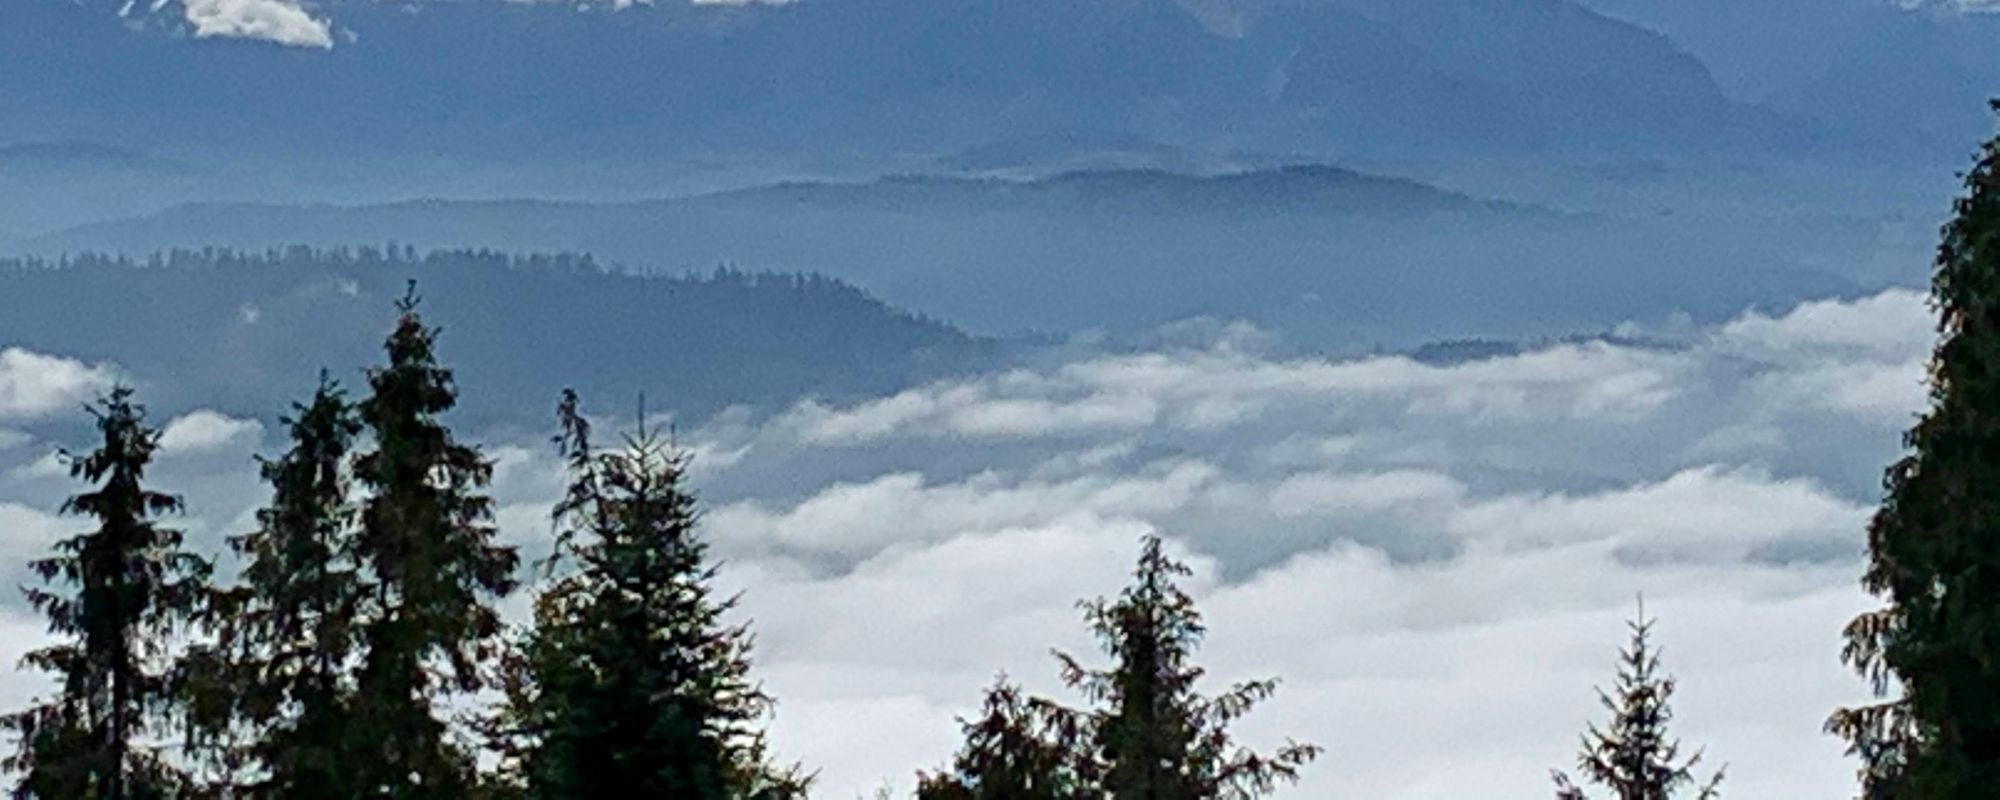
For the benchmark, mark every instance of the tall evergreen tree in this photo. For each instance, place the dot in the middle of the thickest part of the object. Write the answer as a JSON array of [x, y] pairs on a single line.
[[1635, 757], [131, 589], [630, 683], [426, 546], [1156, 736], [1015, 750], [1935, 544], [279, 669]]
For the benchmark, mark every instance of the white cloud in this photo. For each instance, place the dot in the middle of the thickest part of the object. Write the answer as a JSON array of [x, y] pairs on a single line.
[[49, 465], [34, 385], [1319, 493], [204, 432], [1206, 390], [1892, 326], [284, 22], [29, 534], [1425, 553]]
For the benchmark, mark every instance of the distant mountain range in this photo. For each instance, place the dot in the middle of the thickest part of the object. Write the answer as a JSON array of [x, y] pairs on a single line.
[[1299, 189], [1899, 73], [1329, 256], [509, 81]]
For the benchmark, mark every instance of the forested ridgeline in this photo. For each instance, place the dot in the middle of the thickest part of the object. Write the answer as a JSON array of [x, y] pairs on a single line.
[[227, 324]]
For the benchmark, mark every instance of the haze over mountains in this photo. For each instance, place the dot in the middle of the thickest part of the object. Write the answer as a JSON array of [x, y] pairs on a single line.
[[1331, 258]]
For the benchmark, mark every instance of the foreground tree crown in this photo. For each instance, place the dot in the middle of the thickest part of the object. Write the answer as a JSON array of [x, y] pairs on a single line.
[[1934, 545], [131, 590], [1634, 756], [630, 683], [1148, 734]]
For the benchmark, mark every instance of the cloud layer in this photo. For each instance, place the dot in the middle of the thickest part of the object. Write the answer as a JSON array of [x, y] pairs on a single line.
[[1435, 557], [34, 385]]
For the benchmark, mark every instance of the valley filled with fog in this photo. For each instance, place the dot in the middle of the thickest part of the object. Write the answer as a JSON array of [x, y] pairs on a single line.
[[1397, 538]]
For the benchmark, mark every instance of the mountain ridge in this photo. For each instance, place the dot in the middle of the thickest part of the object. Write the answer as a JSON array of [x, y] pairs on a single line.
[[1326, 77]]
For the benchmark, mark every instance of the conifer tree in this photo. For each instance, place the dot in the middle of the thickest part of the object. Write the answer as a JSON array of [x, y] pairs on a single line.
[[426, 547], [1156, 737], [115, 597], [1935, 544], [1635, 757], [1015, 750], [279, 668], [630, 683]]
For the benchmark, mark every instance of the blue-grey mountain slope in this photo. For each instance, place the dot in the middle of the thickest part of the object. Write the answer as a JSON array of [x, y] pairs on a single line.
[[1328, 256]]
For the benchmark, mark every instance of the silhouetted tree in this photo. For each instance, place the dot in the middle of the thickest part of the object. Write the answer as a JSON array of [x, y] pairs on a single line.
[[1935, 545], [1155, 736], [426, 547], [630, 683], [1015, 750], [118, 596], [1635, 757], [278, 670]]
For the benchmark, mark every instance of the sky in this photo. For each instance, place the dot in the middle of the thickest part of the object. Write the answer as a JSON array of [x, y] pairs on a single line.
[[1436, 560]]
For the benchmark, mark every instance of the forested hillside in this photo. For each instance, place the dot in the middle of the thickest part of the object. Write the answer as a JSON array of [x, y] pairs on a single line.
[[232, 327]]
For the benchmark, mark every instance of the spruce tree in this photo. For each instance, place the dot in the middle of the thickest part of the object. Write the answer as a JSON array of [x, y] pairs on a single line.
[[426, 547], [278, 671], [1635, 757], [1935, 544], [630, 683], [1156, 737], [1015, 750], [115, 597]]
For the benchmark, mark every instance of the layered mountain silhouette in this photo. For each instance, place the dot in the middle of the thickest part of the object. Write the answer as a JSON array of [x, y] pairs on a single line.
[[505, 80], [1329, 256]]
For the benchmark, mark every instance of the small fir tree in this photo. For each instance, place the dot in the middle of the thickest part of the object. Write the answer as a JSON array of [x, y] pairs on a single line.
[[426, 548], [1156, 737], [630, 683], [115, 597], [277, 673], [1015, 750], [1635, 757]]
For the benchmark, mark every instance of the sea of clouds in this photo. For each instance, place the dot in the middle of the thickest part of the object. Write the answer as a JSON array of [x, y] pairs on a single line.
[[1436, 558]]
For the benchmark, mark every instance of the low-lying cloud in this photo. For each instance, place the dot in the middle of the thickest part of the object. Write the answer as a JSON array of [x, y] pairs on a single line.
[[204, 432], [1436, 558], [35, 385]]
